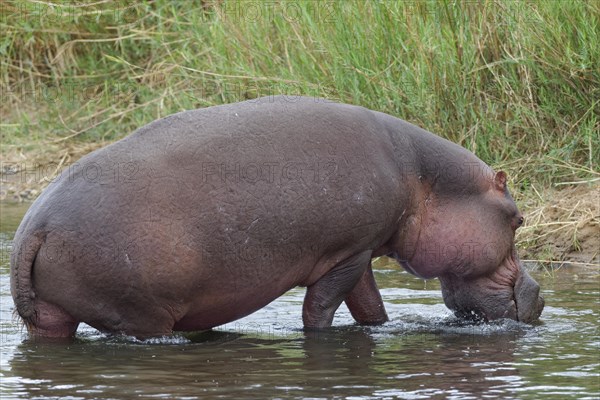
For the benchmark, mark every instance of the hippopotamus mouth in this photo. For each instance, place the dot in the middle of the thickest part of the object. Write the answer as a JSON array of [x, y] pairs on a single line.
[[525, 306], [487, 298], [473, 316], [478, 316]]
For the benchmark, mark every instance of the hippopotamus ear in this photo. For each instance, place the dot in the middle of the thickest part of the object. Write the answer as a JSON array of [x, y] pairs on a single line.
[[500, 181]]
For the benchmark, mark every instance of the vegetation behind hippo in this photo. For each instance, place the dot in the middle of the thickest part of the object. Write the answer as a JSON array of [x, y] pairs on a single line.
[[515, 82]]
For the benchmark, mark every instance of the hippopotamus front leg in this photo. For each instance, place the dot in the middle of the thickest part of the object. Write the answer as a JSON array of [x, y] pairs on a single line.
[[364, 301], [325, 295]]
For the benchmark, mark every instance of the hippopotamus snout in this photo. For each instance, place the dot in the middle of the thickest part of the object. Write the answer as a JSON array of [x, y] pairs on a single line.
[[485, 299], [529, 303]]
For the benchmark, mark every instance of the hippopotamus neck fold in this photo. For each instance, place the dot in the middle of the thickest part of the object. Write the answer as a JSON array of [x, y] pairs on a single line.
[[444, 179]]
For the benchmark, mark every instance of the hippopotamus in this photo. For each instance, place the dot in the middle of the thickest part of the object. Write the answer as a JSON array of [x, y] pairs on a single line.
[[205, 216]]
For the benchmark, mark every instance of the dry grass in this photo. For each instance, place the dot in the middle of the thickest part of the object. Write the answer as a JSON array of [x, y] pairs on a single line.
[[25, 174], [562, 226], [562, 220]]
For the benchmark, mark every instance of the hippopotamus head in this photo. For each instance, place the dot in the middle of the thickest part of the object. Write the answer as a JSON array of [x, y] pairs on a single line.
[[465, 236]]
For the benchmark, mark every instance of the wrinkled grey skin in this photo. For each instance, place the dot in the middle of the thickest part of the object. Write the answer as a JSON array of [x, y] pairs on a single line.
[[206, 216]]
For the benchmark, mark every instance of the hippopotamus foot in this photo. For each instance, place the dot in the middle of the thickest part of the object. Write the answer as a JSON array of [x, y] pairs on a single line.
[[325, 296], [364, 301]]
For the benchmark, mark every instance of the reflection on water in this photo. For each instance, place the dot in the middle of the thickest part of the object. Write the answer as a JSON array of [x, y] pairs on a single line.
[[423, 352]]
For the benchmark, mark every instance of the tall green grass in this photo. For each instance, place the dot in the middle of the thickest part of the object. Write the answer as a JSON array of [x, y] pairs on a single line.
[[516, 82]]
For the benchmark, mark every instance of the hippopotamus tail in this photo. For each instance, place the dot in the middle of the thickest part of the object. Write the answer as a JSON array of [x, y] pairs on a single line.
[[22, 259], [41, 317]]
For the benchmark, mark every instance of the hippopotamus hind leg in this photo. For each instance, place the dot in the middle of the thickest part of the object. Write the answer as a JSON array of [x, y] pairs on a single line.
[[51, 321]]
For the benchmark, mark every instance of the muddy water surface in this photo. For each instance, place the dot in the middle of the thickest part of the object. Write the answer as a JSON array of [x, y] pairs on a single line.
[[423, 352]]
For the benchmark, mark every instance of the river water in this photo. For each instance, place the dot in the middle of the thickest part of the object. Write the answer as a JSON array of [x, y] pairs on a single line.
[[423, 352]]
